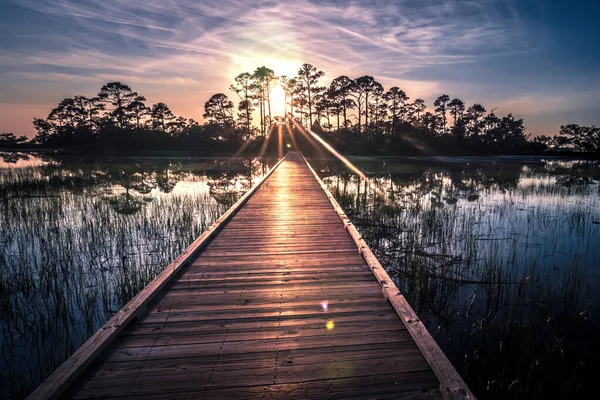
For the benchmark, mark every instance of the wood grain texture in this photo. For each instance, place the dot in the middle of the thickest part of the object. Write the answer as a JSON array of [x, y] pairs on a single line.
[[279, 304], [452, 385], [64, 375]]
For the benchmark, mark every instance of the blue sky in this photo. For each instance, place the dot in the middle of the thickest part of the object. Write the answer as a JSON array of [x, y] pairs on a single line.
[[539, 60]]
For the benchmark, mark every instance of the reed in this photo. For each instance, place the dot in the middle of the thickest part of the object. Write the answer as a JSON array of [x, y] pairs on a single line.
[[79, 240], [498, 259]]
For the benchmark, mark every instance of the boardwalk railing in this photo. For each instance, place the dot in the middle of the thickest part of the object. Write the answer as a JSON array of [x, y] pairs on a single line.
[[237, 315], [64, 375], [452, 385]]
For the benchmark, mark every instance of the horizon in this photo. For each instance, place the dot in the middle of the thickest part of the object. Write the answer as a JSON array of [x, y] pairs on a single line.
[[535, 61]]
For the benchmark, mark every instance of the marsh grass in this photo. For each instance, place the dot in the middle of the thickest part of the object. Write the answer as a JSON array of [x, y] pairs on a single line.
[[499, 261], [77, 242]]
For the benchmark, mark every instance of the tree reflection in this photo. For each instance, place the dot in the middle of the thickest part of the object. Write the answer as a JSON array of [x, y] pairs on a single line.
[[126, 203]]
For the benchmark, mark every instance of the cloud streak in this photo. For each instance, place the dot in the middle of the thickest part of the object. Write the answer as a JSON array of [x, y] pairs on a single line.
[[182, 51]]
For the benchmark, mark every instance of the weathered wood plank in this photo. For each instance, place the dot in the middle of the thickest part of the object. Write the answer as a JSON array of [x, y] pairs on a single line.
[[281, 303], [452, 385], [64, 375]]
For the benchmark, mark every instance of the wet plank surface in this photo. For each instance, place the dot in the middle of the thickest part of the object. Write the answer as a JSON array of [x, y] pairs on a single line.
[[279, 305]]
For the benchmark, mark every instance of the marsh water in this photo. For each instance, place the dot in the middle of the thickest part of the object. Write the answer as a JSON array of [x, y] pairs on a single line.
[[80, 237], [499, 257]]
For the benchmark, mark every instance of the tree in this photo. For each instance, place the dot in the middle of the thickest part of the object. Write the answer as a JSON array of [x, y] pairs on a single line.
[[89, 108], [161, 115], [474, 114], [364, 86], [220, 110], [374, 106], [546, 142], [418, 106], [335, 102], [308, 79], [342, 86], [243, 88], [65, 115], [138, 110], [45, 130], [457, 108], [119, 96], [283, 81], [431, 122], [395, 98], [263, 81], [582, 138], [441, 105], [9, 139], [289, 88], [325, 106]]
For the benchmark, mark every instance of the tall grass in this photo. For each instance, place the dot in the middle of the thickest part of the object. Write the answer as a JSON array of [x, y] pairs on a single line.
[[500, 261], [79, 241]]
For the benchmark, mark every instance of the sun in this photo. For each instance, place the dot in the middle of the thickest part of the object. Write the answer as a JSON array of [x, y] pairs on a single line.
[[277, 101]]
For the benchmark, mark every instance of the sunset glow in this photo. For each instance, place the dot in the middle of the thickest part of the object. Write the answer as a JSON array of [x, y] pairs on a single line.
[[183, 53], [277, 101]]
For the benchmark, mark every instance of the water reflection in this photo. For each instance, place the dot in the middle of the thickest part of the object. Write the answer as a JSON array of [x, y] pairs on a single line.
[[80, 237], [499, 259]]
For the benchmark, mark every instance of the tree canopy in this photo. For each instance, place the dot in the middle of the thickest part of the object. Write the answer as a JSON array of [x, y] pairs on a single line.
[[356, 115]]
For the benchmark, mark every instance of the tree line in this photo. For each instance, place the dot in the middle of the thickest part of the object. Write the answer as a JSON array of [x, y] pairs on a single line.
[[357, 115]]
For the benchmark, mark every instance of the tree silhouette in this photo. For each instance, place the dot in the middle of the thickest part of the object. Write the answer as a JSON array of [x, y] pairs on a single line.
[[87, 109], [308, 79], [342, 86], [219, 109], [363, 87], [118, 119], [138, 110], [474, 115], [9, 139], [263, 81], [396, 99], [119, 96], [290, 88], [375, 106], [243, 88], [457, 108], [161, 115], [581, 138], [418, 106], [441, 106]]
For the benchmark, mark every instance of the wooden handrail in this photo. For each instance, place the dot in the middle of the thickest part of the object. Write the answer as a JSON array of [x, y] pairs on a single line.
[[452, 385], [64, 375]]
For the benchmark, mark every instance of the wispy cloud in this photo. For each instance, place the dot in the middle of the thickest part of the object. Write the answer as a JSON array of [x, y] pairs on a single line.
[[181, 51]]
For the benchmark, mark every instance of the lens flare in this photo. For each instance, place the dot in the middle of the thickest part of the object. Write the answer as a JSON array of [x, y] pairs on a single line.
[[324, 306], [329, 325], [263, 149], [331, 150], [291, 133], [308, 133], [280, 141]]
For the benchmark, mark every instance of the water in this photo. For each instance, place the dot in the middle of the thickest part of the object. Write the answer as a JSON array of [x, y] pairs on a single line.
[[499, 258], [79, 238]]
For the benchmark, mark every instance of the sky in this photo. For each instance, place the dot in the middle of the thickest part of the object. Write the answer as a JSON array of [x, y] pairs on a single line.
[[539, 60]]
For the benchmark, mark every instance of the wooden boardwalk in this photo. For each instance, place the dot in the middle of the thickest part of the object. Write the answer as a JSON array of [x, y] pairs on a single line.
[[278, 304]]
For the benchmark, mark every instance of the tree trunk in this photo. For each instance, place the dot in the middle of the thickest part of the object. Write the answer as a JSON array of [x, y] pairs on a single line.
[[309, 108]]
